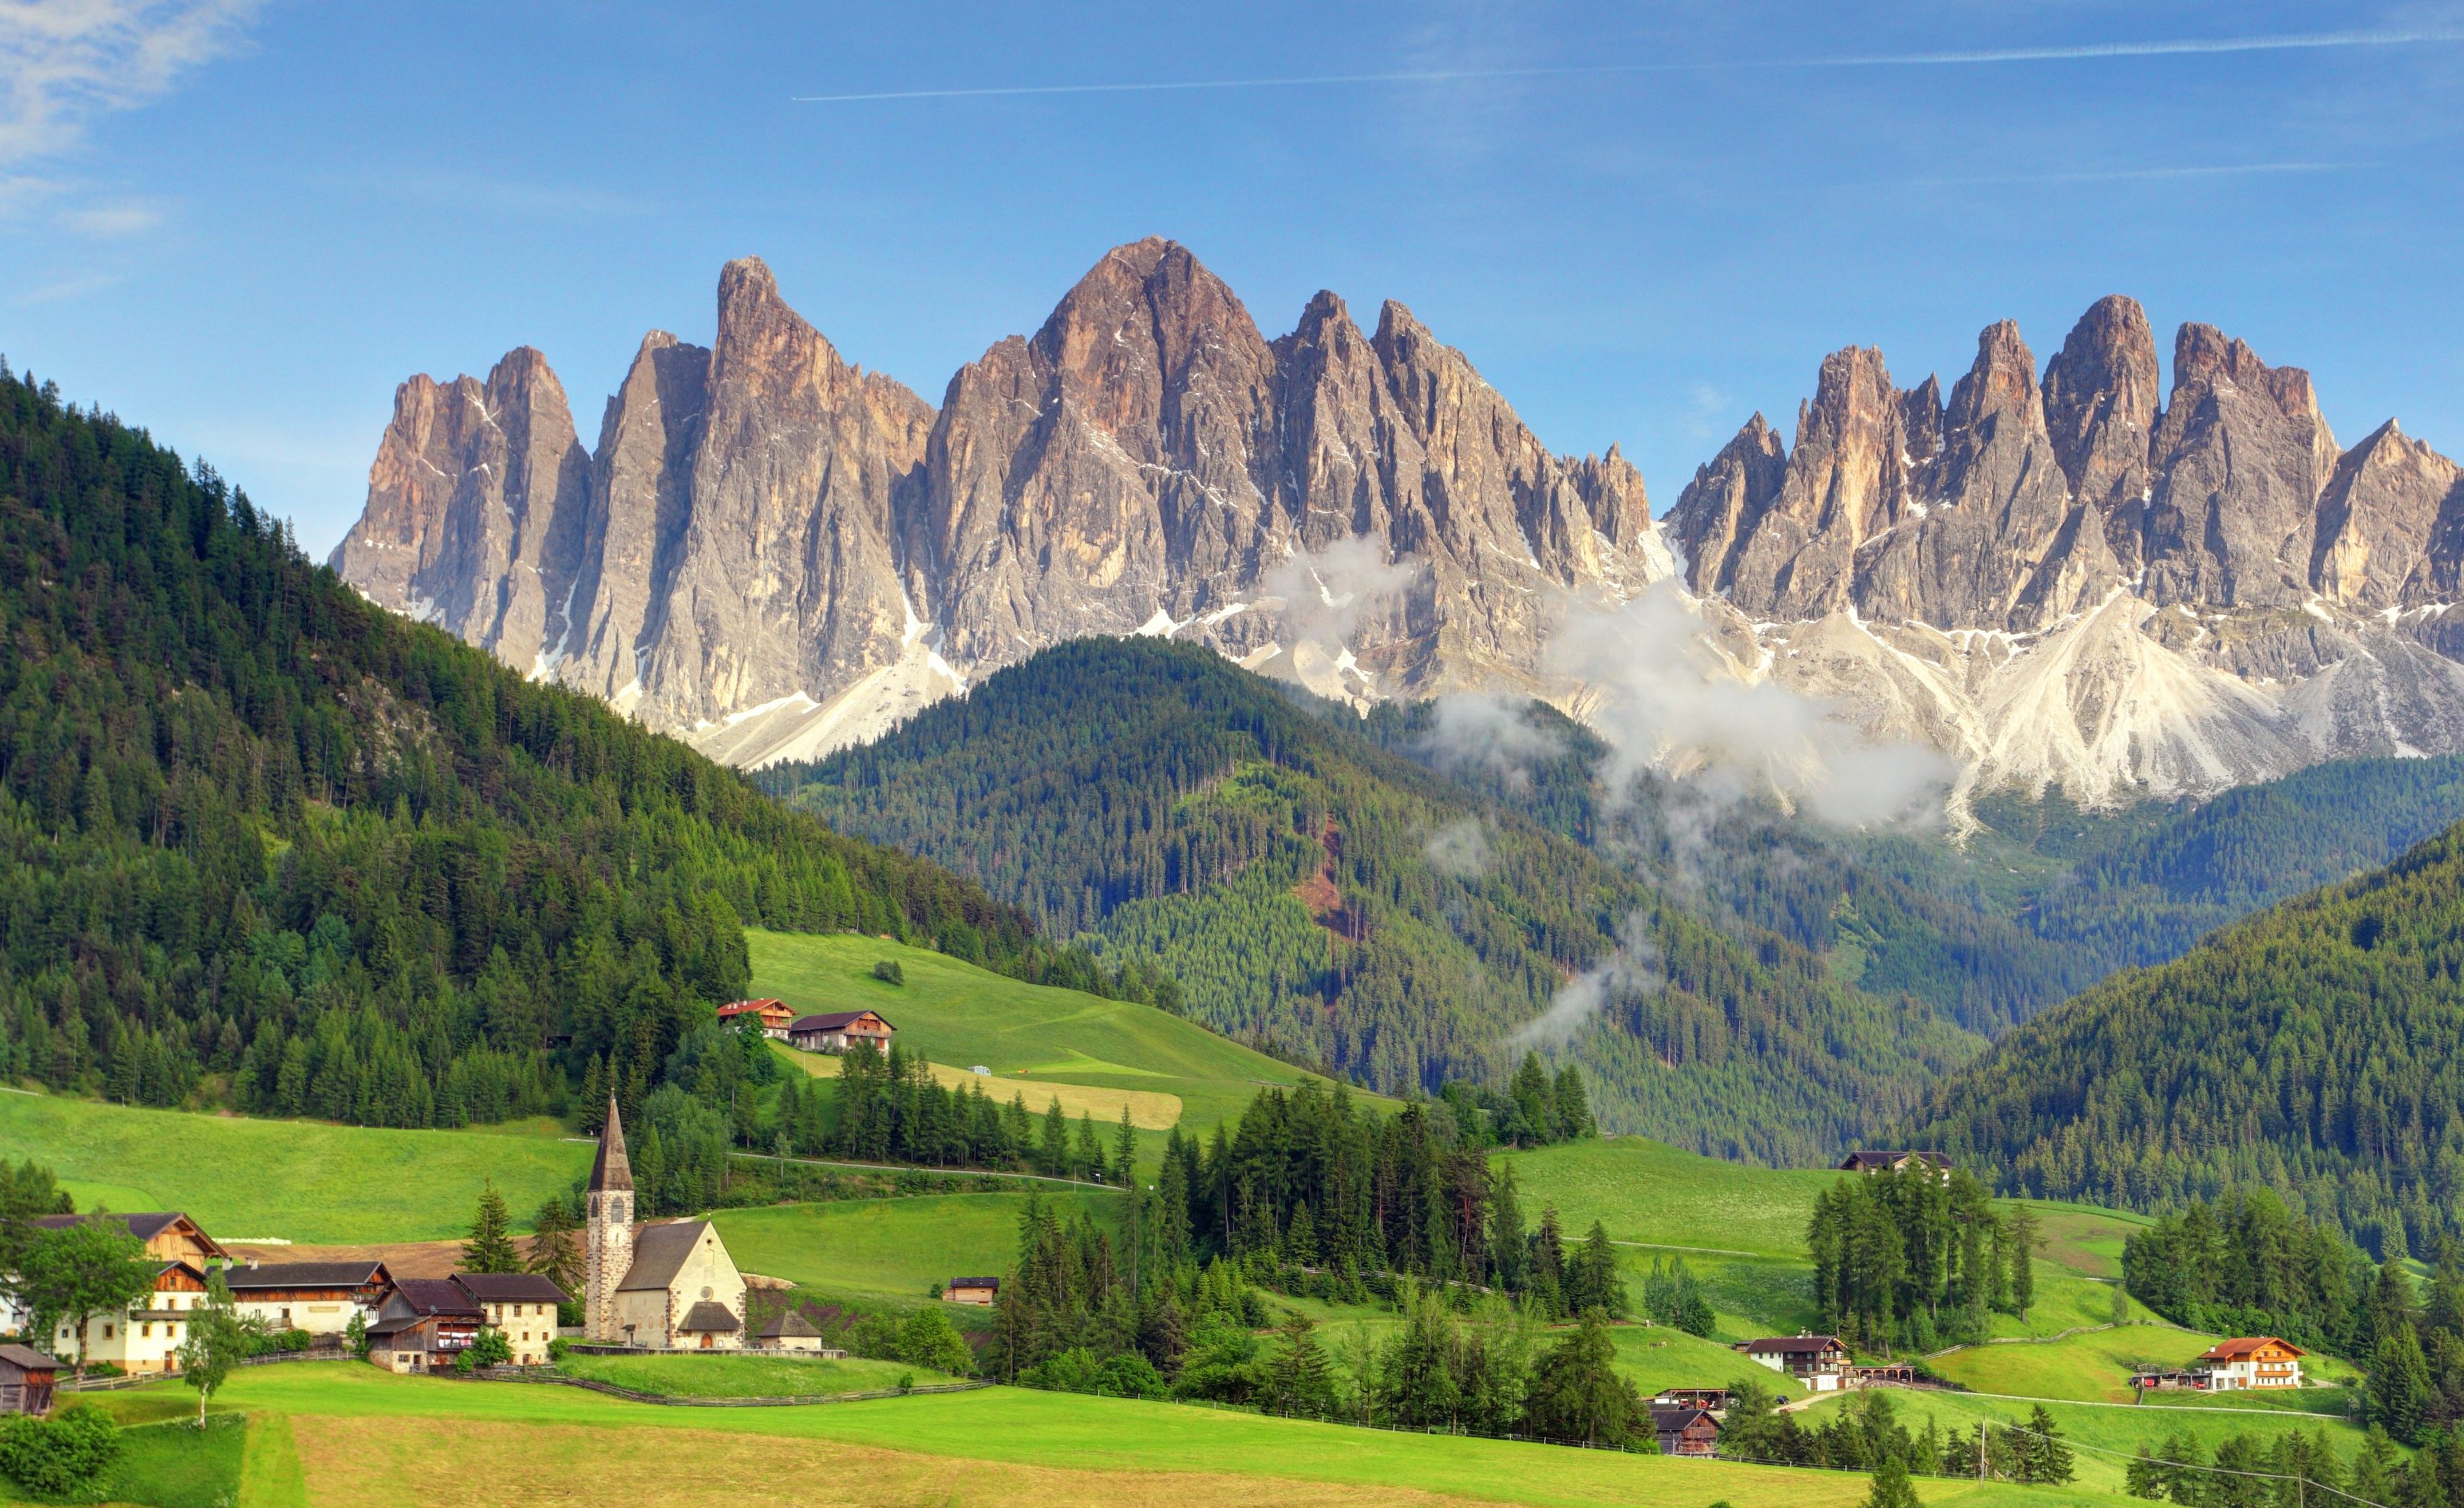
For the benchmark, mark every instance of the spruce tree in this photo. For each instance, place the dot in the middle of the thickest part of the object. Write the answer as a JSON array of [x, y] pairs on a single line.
[[554, 1253], [1091, 1150], [1053, 1155], [1574, 1104], [1578, 1394], [2048, 1458], [1891, 1487], [2398, 1394], [1510, 1251], [2143, 1477], [491, 1247], [2022, 1222], [1536, 1097], [1125, 1151]]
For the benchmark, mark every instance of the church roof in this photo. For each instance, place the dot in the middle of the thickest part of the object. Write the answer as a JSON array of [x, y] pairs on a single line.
[[609, 1170], [709, 1314], [659, 1254]]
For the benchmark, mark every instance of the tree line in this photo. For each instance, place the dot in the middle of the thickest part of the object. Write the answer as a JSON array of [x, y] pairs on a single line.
[[1917, 1260]]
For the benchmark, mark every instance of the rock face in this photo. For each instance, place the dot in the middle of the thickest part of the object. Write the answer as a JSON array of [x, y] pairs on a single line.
[[2066, 583], [774, 553]]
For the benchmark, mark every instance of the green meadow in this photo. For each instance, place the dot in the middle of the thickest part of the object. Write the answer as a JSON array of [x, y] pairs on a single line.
[[1148, 1445], [890, 1248], [958, 1014], [2096, 1367], [744, 1375], [304, 1180]]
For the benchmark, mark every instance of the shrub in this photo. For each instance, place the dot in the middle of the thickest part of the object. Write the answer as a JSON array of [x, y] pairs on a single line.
[[888, 971], [64, 1455], [930, 1340], [557, 1348], [489, 1349]]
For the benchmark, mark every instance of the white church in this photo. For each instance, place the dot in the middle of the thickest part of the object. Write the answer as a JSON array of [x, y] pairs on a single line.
[[664, 1287]]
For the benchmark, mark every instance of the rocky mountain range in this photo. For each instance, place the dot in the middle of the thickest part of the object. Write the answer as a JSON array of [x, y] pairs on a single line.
[[2086, 580], [775, 553], [2079, 577]]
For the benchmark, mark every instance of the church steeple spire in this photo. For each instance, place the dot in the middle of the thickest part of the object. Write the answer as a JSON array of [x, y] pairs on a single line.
[[611, 1169]]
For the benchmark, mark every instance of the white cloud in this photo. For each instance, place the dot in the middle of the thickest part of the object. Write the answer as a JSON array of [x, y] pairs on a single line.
[[1460, 848], [1631, 971], [1664, 700], [110, 221], [1326, 592], [64, 61], [1483, 730]]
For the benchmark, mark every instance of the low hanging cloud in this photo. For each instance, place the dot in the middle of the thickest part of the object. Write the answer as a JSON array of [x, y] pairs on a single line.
[[1663, 699], [1631, 972], [1326, 592], [1485, 733], [1460, 848]]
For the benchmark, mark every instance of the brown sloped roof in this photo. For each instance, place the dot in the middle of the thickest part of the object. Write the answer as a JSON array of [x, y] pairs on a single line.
[[709, 1314], [2235, 1349], [144, 1227], [304, 1274], [609, 1169], [1794, 1345], [789, 1323], [436, 1295], [511, 1287], [833, 1020], [659, 1254], [27, 1357]]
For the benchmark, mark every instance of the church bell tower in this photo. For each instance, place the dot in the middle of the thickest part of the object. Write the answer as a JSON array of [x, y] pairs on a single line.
[[608, 1216]]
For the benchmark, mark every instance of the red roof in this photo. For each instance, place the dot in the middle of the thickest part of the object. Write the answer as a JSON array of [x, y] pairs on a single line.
[[833, 1021], [739, 1008], [2241, 1347]]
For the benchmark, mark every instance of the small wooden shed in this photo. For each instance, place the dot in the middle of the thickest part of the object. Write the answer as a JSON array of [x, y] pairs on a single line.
[[26, 1379]]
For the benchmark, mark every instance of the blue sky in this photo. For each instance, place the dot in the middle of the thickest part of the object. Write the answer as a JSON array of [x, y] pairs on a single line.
[[242, 224]]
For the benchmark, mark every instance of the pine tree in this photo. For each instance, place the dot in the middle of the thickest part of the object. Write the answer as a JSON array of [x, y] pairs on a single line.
[[1549, 1264], [2022, 1222], [1536, 1097], [555, 1255], [1891, 1487], [491, 1247], [2143, 1477], [1091, 1150], [1509, 1245], [2048, 1459], [1053, 1155], [1125, 1152], [2398, 1394], [1304, 1383], [1574, 1104]]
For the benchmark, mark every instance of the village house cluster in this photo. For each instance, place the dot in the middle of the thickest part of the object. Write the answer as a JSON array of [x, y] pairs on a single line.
[[663, 1286], [825, 1032]]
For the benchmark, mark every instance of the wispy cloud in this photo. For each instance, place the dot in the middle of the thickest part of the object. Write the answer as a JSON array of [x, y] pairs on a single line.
[[64, 61], [110, 221], [2112, 175], [2085, 51], [68, 288]]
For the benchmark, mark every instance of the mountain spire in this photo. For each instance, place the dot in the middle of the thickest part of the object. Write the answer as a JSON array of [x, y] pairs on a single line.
[[610, 1170]]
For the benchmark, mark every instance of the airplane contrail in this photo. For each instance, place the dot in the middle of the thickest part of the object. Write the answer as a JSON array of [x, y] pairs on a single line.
[[2288, 41]]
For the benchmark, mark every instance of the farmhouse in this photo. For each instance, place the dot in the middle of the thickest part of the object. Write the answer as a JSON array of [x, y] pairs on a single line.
[[667, 1286], [168, 1235], [139, 1341], [773, 1014], [2257, 1360], [1820, 1362], [319, 1298], [519, 1306], [424, 1325], [26, 1378], [837, 1030], [1685, 1430], [1712, 1400], [973, 1291], [1896, 1162]]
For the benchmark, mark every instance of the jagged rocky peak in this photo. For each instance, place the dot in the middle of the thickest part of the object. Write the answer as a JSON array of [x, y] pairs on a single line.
[[2102, 392], [2388, 525], [475, 507], [775, 552]]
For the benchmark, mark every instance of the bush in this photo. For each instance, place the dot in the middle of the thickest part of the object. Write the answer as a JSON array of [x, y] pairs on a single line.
[[888, 971], [930, 1340], [489, 1349], [62, 1456], [1076, 1371], [557, 1348]]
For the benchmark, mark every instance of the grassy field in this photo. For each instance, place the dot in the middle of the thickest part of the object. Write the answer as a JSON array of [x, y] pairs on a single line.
[[894, 1247], [366, 1438], [299, 1180], [2096, 1367], [166, 1462], [2105, 1436], [1653, 1195], [1661, 1355], [1149, 1109], [1027, 1034], [742, 1375]]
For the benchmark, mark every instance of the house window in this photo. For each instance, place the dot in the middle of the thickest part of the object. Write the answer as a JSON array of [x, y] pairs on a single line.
[[146, 1330]]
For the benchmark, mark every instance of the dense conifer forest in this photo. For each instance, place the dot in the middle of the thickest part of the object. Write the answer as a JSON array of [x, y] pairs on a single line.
[[2316, 1050], [261, 833], [1339, 904]]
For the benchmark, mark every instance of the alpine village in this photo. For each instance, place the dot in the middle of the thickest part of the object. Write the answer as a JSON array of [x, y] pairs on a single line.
[[1208, 897]]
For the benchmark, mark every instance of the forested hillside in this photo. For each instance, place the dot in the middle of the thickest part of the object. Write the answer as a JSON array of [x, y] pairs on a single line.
[[262, 833], [1336, 903], [2034, 902], [2315, 1049]]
